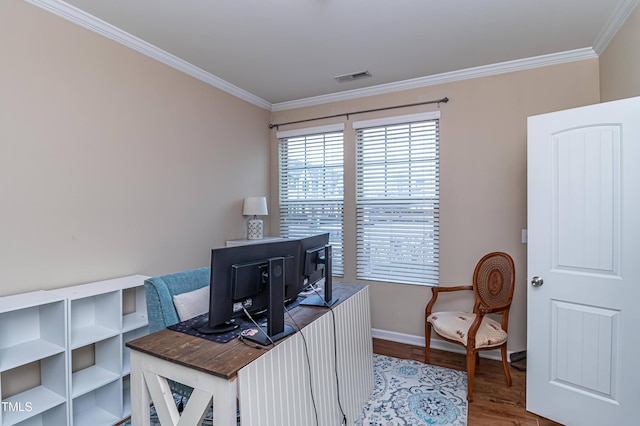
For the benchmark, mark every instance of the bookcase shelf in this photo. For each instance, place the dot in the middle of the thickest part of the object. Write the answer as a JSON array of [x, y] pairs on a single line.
[[91, 378], [24, 353], [49, 333]]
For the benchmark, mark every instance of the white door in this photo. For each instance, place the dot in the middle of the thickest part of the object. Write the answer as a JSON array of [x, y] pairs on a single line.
[[583, 319]]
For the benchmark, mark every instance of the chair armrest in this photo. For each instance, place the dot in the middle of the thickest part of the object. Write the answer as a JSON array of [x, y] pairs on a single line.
[[481, 313], [501, 310], [483, 310], [436, 290]]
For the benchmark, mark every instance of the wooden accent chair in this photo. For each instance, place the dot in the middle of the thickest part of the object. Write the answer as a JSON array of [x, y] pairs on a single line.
[[493, 284]]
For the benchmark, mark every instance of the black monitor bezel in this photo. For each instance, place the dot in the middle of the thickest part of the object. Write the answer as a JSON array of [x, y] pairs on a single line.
[[221, 285]]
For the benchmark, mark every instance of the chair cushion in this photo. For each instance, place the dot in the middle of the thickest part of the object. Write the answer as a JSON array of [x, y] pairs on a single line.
[[455, 326], [192, 303]]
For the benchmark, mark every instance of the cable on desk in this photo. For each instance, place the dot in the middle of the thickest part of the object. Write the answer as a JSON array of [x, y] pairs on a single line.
[[257, 326]]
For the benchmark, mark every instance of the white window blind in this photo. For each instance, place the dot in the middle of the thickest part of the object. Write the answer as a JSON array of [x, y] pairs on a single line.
[[397, 200], [311, 188]]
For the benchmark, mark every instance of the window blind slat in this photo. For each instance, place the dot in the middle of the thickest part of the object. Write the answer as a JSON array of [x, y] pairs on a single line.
[[397, 202], [311, 170]]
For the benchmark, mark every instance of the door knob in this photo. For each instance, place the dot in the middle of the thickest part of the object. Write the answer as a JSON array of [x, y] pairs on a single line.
[[537, 281]]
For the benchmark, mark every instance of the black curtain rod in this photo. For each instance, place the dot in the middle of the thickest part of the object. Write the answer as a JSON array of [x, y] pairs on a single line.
[[347, 114]]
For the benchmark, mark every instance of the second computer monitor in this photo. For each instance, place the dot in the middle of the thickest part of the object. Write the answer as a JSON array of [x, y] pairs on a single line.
[[315, 261]]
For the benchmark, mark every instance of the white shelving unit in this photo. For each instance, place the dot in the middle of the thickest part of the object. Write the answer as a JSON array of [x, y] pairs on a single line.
[[73, 338], [33, 331]]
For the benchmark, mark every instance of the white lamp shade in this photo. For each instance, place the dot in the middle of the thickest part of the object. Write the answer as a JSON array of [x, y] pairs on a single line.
[[255, 206]]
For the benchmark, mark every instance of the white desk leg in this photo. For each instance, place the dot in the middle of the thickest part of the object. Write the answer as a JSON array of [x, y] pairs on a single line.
[[140, 414], [207, 388], [225, 395]]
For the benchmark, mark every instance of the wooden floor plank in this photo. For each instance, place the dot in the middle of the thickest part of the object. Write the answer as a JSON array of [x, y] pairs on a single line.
[[494, 403]]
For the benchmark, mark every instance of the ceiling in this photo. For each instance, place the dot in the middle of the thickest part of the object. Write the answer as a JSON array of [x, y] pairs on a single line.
[[274, 52]]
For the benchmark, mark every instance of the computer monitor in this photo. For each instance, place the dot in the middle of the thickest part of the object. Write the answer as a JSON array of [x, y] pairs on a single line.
[[315, 263], [257, 277]]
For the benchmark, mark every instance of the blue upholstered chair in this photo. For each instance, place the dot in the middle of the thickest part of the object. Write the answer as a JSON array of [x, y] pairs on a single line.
[[159, 292]]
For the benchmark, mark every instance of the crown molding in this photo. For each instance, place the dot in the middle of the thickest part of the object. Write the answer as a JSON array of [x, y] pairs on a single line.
[[449, 77], [79, 17], [613, 25]]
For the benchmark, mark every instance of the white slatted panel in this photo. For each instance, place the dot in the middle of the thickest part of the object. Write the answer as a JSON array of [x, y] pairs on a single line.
[[355, 354], [276, 397]]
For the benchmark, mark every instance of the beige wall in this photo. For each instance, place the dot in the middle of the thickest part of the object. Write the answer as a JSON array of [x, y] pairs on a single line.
[[483, 177], [620, 62], [112, 163]]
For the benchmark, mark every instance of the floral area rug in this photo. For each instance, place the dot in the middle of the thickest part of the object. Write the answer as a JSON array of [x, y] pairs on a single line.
[[408, 392]]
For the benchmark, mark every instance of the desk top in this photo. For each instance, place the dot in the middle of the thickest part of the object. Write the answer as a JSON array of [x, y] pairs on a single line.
[[226, 359]]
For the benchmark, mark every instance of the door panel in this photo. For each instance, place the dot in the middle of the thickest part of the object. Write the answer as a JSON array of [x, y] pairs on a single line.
[[584, 349], [586, 205], [584, 240]]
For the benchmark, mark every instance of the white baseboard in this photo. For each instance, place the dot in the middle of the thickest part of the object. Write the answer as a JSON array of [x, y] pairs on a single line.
[[410, 339]]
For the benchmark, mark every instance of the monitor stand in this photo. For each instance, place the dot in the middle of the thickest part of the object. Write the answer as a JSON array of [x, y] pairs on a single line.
[[275, 329], [328, 300], [203, 326]]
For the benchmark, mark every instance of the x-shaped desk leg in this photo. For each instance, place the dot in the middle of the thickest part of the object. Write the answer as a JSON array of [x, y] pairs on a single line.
[[149, 376]]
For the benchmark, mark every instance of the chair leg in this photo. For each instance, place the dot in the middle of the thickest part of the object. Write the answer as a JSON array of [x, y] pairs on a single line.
[[427, 341], [471, 369], [505, 364]]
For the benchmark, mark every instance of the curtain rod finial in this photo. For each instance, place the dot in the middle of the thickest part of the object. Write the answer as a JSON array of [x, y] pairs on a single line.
[[443, 100]]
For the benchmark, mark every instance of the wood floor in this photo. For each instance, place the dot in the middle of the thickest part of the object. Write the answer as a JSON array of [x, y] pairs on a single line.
[[494, 403]]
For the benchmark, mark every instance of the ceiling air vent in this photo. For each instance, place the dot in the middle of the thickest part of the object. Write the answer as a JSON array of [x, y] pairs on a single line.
[[350, 77]]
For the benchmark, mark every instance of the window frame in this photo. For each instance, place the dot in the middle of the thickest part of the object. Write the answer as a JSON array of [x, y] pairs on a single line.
[[324, 205], [396, 265]]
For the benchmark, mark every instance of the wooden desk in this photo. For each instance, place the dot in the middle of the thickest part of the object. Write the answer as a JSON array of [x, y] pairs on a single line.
[[273, 385]]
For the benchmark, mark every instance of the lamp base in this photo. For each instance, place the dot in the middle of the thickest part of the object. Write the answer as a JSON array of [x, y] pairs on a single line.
[[254, 229]]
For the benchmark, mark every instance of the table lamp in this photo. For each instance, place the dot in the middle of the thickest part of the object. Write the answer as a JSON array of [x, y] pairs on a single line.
[[255, 206]]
